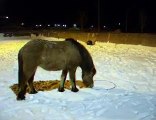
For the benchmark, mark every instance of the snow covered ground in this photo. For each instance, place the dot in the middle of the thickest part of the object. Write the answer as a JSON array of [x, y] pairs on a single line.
[[125, 86]]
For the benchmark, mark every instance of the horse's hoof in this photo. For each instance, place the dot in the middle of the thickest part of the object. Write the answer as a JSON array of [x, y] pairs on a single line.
[[61, 89], [33, 92], [74, 89], [20, 97]]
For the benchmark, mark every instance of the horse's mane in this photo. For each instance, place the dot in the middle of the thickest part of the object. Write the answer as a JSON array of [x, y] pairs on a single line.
[[87, 62]]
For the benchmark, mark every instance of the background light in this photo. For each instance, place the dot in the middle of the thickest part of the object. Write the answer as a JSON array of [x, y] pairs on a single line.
[[65, 25], [22, 24], [74, 25]]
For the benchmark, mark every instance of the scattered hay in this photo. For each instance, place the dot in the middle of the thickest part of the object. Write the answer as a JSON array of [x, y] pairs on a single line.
[[47, 85]]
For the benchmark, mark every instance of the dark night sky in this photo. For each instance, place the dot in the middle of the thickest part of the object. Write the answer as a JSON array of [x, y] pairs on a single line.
[[69, 11]]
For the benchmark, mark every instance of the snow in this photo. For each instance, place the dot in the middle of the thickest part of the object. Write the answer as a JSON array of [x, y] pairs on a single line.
[[125, 86]]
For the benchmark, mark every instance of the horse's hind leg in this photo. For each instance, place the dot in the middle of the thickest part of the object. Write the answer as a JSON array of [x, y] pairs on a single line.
[[31, 86], [72, 80], [26, 75], [63, 78], [22, 89], [22, 83]]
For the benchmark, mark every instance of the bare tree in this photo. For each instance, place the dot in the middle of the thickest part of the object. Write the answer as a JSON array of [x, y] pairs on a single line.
[[82, 19], [142, 19]]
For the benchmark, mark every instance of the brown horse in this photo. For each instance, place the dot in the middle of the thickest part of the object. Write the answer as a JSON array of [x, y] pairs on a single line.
[[52, 56]]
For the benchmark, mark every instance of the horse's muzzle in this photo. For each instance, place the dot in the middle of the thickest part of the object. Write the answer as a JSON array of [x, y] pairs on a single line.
[[91, 86], [88, 85]]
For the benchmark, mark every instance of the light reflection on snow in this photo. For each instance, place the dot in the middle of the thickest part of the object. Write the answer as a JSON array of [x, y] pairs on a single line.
[[125, 86]]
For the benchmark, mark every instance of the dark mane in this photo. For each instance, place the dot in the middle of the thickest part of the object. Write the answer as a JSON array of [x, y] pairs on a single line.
[[87, 62]]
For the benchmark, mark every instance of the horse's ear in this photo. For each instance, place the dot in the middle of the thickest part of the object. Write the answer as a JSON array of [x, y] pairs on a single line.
[[94, 71]]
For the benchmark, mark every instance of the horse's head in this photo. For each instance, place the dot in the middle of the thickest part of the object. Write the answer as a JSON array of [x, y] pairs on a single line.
[[87, 77]]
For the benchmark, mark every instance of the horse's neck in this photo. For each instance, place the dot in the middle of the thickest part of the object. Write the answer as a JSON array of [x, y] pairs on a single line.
[[86, 68]]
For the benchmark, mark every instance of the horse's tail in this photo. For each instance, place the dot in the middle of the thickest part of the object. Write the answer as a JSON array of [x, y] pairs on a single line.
[[20, 68]]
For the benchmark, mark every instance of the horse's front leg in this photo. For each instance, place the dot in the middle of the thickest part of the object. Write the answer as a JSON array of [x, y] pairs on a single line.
[[63, 78], [72, 80]]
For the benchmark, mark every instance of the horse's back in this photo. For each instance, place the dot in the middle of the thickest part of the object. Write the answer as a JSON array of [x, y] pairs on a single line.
[[34, 45]]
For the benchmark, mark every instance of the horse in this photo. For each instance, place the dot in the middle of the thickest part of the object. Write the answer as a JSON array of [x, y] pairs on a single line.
[[64, 55]]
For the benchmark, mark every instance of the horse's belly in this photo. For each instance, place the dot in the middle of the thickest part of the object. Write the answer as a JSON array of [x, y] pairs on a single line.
[[52, 66]]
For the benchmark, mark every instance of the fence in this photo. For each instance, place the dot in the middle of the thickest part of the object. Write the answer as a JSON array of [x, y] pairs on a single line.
[[118, 38]]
